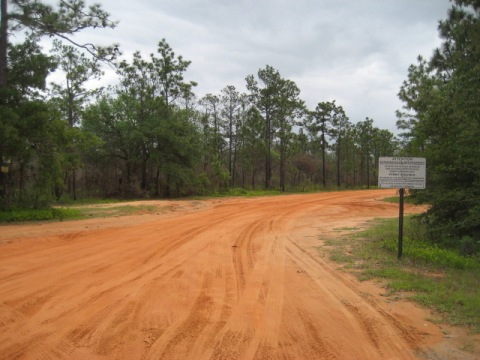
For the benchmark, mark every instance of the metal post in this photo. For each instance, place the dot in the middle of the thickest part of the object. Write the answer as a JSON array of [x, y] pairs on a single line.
[[400, 224]]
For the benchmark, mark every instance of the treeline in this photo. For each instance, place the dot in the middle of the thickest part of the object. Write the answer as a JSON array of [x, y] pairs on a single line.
[[149, 135], [158, 139]]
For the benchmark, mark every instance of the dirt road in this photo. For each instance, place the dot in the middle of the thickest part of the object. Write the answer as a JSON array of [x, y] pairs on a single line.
[[218, 279]]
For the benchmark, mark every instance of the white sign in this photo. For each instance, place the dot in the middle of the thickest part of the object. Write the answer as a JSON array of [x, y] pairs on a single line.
[[402, 172]]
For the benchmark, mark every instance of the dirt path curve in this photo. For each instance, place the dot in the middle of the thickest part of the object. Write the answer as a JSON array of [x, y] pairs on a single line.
[[227, 279]]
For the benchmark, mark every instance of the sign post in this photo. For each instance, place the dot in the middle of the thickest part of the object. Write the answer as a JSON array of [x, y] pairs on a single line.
[[401, 173], [400, 223]]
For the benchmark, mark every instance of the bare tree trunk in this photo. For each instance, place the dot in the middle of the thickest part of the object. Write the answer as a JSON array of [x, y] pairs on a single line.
[[234, 165], [324, 171], [282, 166], [74, 184], [230, 154], [368, 172], [253, 178], [268, 157], [338, 162]]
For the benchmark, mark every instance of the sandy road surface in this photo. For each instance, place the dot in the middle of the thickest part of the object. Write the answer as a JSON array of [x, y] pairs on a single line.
[[226, 279]]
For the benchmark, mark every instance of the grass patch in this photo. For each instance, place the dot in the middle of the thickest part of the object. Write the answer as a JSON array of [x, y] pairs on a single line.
[[341, 257], [438, 278], [115, 211], [239, 192], [22, 215], [65, 213]]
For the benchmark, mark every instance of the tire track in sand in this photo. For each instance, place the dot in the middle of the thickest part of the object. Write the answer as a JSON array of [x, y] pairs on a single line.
[[354, 310]]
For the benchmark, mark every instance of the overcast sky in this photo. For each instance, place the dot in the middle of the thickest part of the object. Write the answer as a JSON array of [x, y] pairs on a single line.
[[356, 52]]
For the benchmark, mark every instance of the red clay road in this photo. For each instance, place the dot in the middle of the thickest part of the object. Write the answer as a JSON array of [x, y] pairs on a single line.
[[217, 279]]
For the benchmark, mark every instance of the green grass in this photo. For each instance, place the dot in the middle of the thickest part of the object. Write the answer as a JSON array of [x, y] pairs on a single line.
[[239, 192], [435, 277], [78, 213], [22, 215]]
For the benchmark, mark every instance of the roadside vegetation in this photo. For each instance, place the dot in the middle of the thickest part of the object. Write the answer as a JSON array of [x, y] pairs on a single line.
[[241, 192], [22, 215], [444, 279], [68, 209], [78, 212]]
